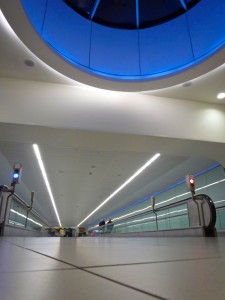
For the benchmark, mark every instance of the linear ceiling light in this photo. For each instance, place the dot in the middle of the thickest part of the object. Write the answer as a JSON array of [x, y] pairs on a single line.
[[148, 163], [44, 174]]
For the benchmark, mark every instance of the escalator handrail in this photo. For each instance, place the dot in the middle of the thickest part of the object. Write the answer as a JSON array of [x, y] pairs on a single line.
[[208, 200], [212, 209]]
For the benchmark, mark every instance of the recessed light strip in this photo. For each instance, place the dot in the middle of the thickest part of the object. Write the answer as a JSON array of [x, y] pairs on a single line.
[[148, 163], [44, 174]]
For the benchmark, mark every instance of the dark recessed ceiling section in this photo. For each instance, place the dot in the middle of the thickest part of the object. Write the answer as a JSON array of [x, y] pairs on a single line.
[[83, 7], [191, 3], [131, 14], [116, 13], [152, 13]]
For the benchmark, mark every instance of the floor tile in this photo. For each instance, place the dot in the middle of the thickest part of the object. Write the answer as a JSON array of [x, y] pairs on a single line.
[[183, 280], [58, 285], [135, 268], [16, 259], [84, 252]]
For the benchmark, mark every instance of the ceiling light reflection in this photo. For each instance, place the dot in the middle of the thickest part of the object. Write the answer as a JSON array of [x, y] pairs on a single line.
[[148, 163], [23, 216]]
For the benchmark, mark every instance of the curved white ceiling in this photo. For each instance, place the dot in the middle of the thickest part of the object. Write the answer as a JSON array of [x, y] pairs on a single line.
[[125, 60]]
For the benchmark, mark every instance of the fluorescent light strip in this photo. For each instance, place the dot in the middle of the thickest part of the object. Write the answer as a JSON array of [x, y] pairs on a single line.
[[44, 174], [137, 211], [157, 221], [16, 223], [153, 217], [170, 199], [172, 212], [23, 216], [148, 163], [219, 201], [216, 182], [173, 198]]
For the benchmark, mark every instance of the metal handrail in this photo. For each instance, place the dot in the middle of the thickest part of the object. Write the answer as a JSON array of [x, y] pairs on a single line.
[[20, 200], [219, 207], [209, 201], [160, 219], [211, 205], [157, 219], [184, 201]]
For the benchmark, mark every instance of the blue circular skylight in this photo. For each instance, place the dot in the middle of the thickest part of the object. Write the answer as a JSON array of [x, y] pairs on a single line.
[[131, 14], [131, 43]]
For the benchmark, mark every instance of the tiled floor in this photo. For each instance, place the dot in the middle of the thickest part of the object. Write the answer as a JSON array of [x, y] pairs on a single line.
[[112, 268]]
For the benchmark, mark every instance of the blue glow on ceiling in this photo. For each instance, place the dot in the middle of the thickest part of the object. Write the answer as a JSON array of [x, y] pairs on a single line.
[[169, 47]]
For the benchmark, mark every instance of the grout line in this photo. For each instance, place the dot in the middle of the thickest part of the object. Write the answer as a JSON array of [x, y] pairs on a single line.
[[87, 268], [98, 275], [152, 262], [126, 285], [92, 273], [33, 271]]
